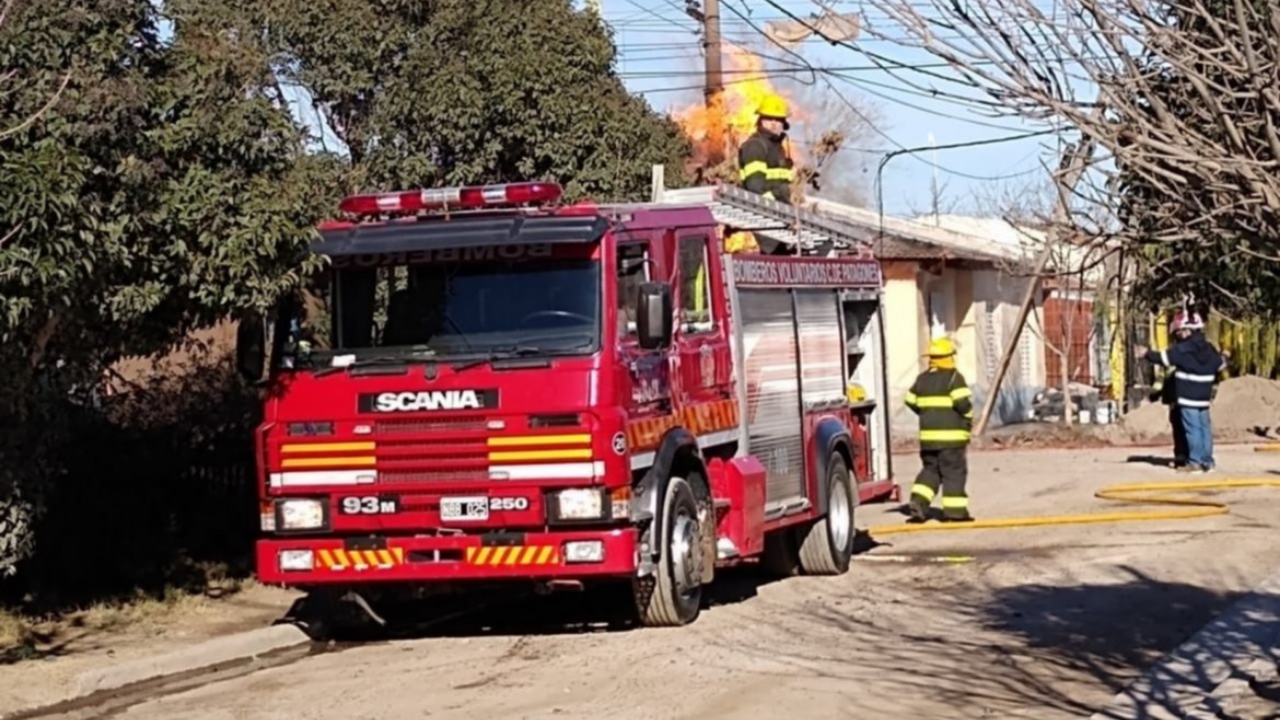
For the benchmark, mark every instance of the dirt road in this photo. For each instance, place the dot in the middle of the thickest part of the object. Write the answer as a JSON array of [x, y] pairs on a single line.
[[1043, 623]]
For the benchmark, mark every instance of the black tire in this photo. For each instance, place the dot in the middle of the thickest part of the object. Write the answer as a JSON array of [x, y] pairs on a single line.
[[827, 547], [672, 596]]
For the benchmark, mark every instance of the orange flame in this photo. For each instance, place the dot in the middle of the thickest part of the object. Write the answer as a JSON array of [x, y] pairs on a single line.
[[719, 127]]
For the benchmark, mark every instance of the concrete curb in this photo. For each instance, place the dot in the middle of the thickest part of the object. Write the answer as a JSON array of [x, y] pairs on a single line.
[[218, 651], [1198, 675]]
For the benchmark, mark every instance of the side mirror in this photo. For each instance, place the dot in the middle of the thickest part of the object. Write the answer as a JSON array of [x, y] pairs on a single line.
[[654, 321], [251, 347]]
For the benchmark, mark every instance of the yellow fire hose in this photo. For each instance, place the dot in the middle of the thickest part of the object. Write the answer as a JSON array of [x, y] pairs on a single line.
[[1155, 493], [1151, 493]]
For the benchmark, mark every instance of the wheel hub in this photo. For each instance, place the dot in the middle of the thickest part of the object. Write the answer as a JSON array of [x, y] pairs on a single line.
[[839, 516], [686, 553]]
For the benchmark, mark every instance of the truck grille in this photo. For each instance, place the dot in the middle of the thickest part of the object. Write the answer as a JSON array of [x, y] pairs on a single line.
[[473, 423], [419, 476], [460, 449]]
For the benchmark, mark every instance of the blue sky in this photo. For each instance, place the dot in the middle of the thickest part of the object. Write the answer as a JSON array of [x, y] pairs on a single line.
[[661, 59]]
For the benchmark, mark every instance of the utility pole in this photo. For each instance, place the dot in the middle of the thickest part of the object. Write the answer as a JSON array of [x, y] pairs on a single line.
[[709, 16], [711, 35]]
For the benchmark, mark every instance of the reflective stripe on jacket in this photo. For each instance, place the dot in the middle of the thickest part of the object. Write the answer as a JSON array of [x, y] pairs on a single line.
[[764, 167], [944, 403], [1196, 364]]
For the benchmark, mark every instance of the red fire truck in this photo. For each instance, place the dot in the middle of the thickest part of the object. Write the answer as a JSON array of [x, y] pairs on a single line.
[[485, 384]]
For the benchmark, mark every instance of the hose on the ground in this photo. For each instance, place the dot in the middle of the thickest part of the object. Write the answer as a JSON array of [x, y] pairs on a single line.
[[1148, 493]]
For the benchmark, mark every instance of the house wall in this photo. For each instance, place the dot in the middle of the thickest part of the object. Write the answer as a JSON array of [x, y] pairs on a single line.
[[922, 303], [904, 327], [997, 299]]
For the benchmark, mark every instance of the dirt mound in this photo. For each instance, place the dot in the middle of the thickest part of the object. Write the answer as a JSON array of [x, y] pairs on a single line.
[[1245, 403], [1150, 420], [1242, 404]]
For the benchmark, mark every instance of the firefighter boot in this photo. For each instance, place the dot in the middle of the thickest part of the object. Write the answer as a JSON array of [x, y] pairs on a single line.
[[917, 509], [956, 510]]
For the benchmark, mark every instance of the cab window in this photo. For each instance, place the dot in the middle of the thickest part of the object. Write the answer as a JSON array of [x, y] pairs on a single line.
[[632, 270], [695, 286]]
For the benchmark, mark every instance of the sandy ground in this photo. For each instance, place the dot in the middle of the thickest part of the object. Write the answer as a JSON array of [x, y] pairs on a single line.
[[1042, 622], [51, 675]]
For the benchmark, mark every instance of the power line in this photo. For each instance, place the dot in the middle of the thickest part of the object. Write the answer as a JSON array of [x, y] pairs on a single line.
[[861, 83], [863, 117], [875, 57], [804, 65], [803, 61], [660, 17]]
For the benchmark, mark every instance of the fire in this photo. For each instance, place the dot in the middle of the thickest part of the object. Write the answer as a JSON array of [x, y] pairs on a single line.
[[731, 115]]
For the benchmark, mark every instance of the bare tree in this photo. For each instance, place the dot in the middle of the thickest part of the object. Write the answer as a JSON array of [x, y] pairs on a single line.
[[836, 134], [1179, 94]]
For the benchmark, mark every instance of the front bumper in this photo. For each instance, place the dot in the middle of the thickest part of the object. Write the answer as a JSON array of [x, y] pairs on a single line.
[[426, 559]]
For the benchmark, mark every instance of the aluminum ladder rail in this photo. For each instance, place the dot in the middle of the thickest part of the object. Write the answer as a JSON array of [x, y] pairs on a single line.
[[742, 210]]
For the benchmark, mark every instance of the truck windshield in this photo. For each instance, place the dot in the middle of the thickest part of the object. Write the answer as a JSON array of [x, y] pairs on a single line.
[[461, 308]]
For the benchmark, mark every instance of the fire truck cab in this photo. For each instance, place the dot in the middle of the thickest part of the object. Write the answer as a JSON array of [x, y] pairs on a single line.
[[485, 385]]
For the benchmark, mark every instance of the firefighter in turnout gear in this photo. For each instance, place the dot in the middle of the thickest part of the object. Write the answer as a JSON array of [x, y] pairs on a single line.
[[944, 403], [765, 166]]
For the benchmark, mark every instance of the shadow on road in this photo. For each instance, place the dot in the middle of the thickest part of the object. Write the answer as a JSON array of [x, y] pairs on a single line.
[[985, 648], [1036, 647], [506, 611], [1163, 461], [515, 610]]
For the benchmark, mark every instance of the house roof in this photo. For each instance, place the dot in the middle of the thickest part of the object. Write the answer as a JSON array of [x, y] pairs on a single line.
[[922, 240], [847, 227]]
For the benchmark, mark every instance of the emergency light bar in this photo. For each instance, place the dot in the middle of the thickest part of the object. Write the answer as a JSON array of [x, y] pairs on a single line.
[[479, 196]]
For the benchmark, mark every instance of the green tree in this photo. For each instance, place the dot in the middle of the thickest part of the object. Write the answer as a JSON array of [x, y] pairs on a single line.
[[446, 92], [163, 187], [154, 182]]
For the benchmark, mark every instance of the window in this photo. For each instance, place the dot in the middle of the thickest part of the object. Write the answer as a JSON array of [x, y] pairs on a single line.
[[632, 270], [459, 308], [695, 286]]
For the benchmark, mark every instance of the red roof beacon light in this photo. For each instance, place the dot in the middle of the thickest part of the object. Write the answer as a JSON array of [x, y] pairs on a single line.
[[480, 196]]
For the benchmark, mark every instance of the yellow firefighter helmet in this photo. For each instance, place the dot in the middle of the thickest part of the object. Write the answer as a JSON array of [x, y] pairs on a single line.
[[773, 106], [942, 347]]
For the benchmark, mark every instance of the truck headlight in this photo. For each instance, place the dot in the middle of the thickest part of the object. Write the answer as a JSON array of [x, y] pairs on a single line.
[[300, 514], [578, 504]]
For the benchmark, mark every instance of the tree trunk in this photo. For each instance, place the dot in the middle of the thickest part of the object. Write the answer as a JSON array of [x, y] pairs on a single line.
[[1064, 363]]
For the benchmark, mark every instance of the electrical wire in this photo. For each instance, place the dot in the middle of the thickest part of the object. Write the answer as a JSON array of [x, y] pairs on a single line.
[[802, 60], [900, 148], [663, 18], [861, 84], [875, 57]]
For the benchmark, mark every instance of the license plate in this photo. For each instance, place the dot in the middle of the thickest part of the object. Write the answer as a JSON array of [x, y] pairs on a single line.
[[464, 508]]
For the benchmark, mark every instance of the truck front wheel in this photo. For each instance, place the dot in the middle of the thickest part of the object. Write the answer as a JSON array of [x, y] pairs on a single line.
[[827, 547], [672, 596]]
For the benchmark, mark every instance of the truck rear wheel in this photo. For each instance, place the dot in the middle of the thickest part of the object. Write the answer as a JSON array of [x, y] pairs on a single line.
[[827, 547], [672, 596]]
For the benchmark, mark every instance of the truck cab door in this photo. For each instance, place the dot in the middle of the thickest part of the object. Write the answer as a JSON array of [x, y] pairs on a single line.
[[704, 374], [646, 372]]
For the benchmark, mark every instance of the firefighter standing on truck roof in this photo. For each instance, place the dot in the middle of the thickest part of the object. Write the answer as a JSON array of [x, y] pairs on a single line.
[[765, 166], [944, 403]]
